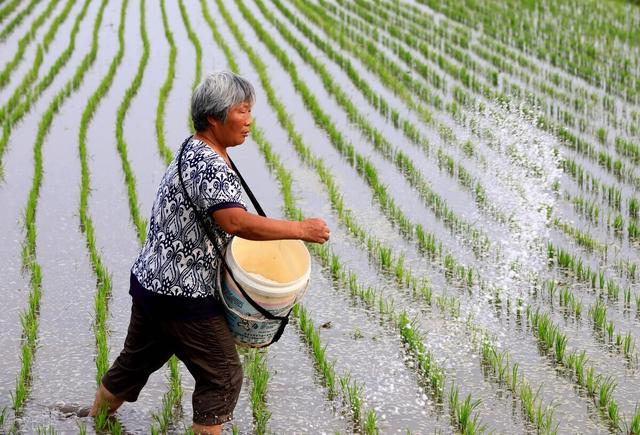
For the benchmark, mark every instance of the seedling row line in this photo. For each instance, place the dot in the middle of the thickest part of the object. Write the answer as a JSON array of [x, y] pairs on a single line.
[[553, 343], [29, 317], [139, 222], [103, 276], [165, 152]]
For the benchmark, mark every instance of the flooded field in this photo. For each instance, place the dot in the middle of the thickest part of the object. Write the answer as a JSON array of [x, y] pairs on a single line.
[[478, 164]]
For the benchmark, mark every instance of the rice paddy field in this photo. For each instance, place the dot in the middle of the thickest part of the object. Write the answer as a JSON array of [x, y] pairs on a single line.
[[478, 163]]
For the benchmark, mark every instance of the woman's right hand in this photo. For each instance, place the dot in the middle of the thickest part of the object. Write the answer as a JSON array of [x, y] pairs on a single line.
[[314, 230]]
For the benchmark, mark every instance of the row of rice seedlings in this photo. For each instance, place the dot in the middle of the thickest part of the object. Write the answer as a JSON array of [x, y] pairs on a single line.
[[365, 420], [459, 173], [8, 9], [23, 42], [31, 75], [18, 19], [103, 277], [439, 206], [198, 49], [29, 317], [165, 152], [623, 343], [582, 238], [139, 222], [15, 115], [597, 278], [171, 407], [378, 251], [605, 160], [597, 312], [553, 342], [509, 375], [255, 363]]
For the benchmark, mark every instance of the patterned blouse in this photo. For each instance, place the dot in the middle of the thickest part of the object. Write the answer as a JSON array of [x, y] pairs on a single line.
[[178, 258]]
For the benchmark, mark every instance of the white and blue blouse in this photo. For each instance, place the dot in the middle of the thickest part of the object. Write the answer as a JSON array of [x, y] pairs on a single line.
[[178, 258]]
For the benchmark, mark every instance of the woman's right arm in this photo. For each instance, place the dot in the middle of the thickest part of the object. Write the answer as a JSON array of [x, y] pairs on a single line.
[[238, 222]]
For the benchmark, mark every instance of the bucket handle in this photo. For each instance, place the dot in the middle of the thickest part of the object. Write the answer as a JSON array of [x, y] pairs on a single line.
[[284, 320]]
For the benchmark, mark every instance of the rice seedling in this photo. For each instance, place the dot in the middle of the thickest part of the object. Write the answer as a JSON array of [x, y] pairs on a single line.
[[598, 315], [606, 388], [165, 152], [139, 222], [353, 392], [576, 362], [628, 345], [634, 426], [198, 49]]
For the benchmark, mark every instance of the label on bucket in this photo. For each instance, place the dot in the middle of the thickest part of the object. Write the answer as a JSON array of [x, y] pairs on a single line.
[[247, 325]]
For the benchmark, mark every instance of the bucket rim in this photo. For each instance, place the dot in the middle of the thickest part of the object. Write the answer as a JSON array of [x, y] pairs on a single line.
[[276, 289]]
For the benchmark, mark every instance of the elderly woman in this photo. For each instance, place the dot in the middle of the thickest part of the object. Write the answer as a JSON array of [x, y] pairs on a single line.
[[174, 310]]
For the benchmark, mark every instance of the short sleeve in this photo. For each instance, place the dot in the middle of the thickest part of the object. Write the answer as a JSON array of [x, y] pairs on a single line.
[[217, 186]]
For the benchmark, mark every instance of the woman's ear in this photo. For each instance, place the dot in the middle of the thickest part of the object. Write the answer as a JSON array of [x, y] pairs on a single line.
[[213, 122]]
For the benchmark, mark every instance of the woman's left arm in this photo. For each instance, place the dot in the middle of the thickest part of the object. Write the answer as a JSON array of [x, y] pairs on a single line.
[[239, 222]]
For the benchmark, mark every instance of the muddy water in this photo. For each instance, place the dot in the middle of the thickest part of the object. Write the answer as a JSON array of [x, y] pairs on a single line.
[[66, 314]]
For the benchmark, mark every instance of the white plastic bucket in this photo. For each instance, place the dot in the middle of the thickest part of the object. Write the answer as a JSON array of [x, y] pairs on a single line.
[[275, 274]]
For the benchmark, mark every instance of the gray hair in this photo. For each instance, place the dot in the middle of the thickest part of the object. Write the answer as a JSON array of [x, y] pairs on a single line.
[[216, 94]]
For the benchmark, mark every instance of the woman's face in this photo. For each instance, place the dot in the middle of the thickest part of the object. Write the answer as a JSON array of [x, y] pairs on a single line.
[[236, 127]]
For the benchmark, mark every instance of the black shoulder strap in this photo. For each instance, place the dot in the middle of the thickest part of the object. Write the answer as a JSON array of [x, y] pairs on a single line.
[[199, 215], [253, 199]]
